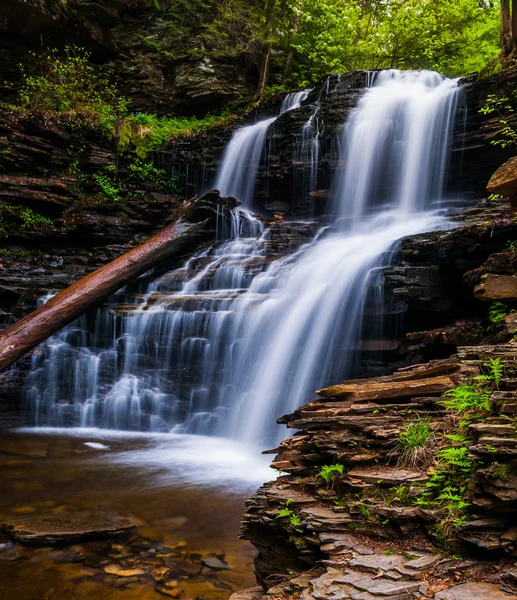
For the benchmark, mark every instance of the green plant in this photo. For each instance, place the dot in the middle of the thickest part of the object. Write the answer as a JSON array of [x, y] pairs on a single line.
[[414, 443], [502, 107], [467, 399], [329, 474], [389, 551], [511, 245], [108, 187], [501, 471], [68, 84], [292, 515], [497, 312]]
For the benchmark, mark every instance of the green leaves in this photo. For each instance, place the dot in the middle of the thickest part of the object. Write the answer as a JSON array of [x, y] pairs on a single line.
[[292, 515]]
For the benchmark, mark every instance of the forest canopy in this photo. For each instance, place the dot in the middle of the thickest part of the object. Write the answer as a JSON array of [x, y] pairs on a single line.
[[316, 37]]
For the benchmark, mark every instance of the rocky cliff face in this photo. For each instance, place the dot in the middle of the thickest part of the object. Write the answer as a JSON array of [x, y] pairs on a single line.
[[160, 70]]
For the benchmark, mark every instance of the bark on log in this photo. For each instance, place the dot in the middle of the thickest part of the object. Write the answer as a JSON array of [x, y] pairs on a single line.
[[195, 220]]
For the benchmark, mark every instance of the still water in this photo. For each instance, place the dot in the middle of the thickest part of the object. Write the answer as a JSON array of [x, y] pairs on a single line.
[[186, 493]]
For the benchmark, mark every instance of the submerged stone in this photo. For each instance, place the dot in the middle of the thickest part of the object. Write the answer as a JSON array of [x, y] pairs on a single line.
[[64, 527], [215, 563]]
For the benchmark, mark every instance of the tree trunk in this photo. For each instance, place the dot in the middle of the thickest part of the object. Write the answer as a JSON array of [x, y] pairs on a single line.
[[266, 49], [295, 24], [194, 221], [514, 24], [506, 37]]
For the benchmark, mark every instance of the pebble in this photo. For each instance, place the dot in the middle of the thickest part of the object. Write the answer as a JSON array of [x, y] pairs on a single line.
[[172, 593], [120, 572]]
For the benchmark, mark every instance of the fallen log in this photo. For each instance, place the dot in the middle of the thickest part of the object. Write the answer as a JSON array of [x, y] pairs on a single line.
[[193, 221]]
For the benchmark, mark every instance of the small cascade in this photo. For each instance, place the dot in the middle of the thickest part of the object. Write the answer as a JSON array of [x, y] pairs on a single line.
[[293, 100], [238, 336], [241, 159]]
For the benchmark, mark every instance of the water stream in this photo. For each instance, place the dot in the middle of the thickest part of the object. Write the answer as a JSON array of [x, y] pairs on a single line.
[[238, 336]]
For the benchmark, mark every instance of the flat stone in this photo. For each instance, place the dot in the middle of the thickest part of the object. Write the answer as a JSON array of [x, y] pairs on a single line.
[[345, 541], [64, 527], [378, 587], [121, 572], [378, 561], [509, 582], [160, 573], [504, 180], [474, 591], [252, 593], [170, 592], [379, 390], [424, 563], [495, 288], [216, 564], [387, 475]]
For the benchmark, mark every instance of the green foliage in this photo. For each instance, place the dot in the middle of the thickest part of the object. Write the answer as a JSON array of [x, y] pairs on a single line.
[[497, 312], [448, 488], [501, 471], [291, 515], [472, 400], [511, 245], [29, 218], [414, 445], [108, 187], [389, 551], [330, 472], [14, 253], [455, 38], [68, 84], [502, 107], [466, 398], [416, 434], [492, 373]]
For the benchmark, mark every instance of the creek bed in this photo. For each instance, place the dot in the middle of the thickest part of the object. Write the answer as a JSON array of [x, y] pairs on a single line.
[[185, 495]]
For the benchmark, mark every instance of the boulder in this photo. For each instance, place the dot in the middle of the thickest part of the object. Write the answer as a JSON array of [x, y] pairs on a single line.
[[502, 288], [504, 180]]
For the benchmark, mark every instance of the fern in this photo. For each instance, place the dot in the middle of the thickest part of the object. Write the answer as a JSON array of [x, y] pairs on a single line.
[[456, 457], [330, 472], [497, 312], [466, 398]]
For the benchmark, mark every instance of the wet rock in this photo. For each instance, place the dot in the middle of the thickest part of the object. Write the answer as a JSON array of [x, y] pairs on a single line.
[[65, 527], [160, 573], [509, 582], [123, 572], [170, 592], [253, 593], [215, 563]]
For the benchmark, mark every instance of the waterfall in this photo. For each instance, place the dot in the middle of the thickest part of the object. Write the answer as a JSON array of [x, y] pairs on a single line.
[[235, 338], [241, 159]]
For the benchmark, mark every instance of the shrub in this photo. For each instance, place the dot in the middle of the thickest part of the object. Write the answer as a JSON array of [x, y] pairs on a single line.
[[68, 84], [415, 442]]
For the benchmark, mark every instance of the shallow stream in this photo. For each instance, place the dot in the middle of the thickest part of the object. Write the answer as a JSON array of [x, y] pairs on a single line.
[[188, 503]]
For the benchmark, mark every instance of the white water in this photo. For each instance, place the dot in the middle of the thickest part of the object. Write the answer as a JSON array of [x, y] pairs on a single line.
[[241, 159], [175, 459], [229, 342]]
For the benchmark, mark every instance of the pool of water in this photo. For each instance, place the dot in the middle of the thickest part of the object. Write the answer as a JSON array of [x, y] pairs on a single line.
[[186, 493]]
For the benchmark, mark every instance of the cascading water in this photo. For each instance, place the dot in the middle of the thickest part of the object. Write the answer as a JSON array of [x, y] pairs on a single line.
[[231, 340], [241, 159]]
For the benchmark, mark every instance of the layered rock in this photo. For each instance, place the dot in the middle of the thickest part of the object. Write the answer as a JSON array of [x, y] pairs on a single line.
[[363, 533]]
